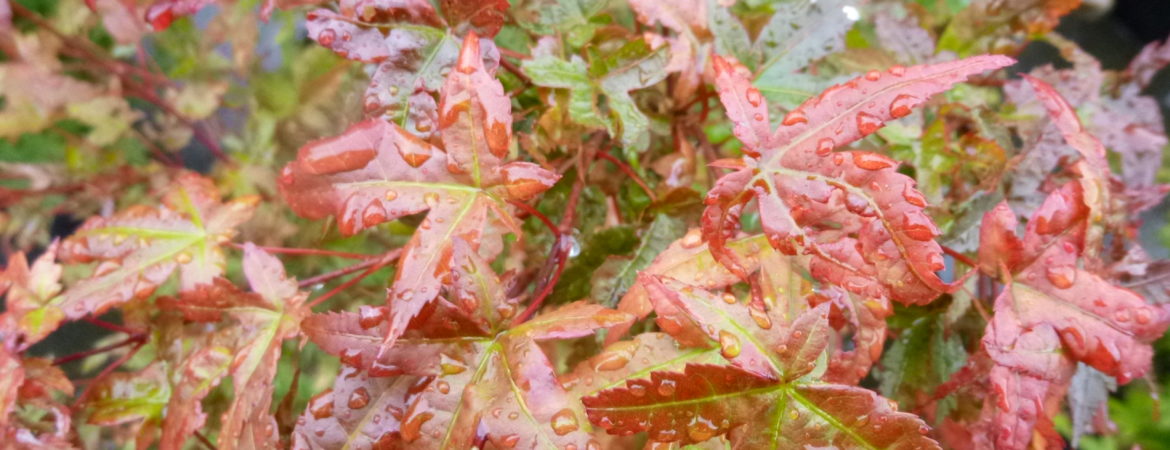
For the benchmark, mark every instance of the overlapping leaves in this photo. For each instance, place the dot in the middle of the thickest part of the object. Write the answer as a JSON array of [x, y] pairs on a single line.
[[863, 223], [770, 396], [376, 172]]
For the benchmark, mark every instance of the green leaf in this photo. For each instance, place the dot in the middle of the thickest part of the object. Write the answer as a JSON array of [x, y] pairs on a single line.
[[613, 278]]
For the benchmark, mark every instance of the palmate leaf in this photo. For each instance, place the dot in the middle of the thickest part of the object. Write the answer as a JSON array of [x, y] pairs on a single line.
[[633, 66], [500, 388], [707, 400], [260, 322], [29, 314], [410, 48], [139, 247], [1053, 313], [376, 172], [862, 222]]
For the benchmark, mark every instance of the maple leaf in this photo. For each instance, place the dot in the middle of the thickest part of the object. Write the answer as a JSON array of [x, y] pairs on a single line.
[[1052, 312], [262, 320], [138, 248], [359, 411], [29, 314], [376, 172], [797, 35], [496, 387], [765, 399], [35, 388], [635, 65], [411, 54], [125, 397], [881, 242]]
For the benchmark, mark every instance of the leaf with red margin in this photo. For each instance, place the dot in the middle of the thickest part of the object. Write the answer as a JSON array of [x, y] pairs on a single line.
[[411, 60], [705, 401], [813, 200], [502, 388], [139, 247], [358, 412], [1052, 313], [30, 314], [688, 260], [197, 375], [376, 172], [484, 17], [261, 321]]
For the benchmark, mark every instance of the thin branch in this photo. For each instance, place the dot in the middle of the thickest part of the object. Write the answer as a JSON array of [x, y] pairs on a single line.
[[132, 339], [961, 257], [203, 440], [381, 262], [108, 370], [537, 214], [629, 171], [561, 254], [309, 251], [111, 326]]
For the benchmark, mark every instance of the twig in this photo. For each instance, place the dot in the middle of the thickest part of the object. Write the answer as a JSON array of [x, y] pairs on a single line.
[[629, 171], [512, 54], [561, 254], [109, 369], [309, 251], [111, 326], [515, 71], [534, 213], [961, 257], [203, 440], [132, 339], [385, 259]]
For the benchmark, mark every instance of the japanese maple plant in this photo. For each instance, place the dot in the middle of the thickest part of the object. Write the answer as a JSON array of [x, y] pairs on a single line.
[[586, 225]]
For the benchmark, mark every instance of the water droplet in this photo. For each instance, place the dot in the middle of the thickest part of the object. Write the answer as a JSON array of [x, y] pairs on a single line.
[[393, 90], [443, 387], [917, 226], [321, 406], [183, 258], [729, 345], [359, 398], [1121, 315], [592, 445], [451, 368], [1061, 276], [351, 357], [326, 37], [794, 117], [761, 317], [611, 361], [412, 428], [381, 369], [701, 429], [370, 316], [1073, 338], [753, 97], [759, 117], [897, 71], [867, 123], [513, 415], [1142, 316], [901, 105], [666, 387], [824, 146], [693, 239], [873, 75], [564, 422], [871, 161], [414, 154], [912, 196], [637, 390], [431, 199]]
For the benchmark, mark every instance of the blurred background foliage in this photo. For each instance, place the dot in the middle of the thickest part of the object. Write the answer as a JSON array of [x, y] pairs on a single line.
[[93, 103]]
